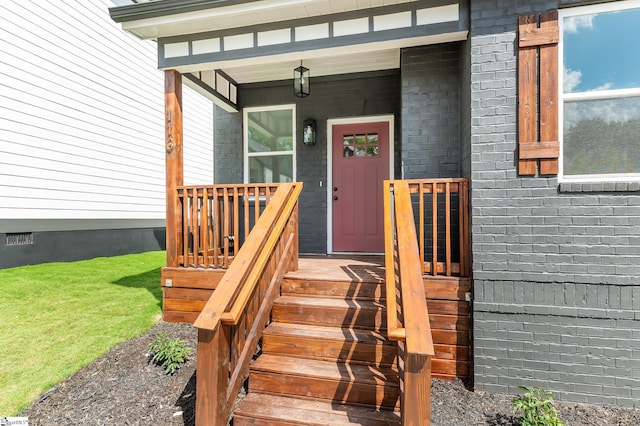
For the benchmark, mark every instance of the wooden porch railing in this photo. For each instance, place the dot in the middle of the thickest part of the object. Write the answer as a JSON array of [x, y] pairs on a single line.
[[235, 316], [407, 314], [215, 221], [442, 205]]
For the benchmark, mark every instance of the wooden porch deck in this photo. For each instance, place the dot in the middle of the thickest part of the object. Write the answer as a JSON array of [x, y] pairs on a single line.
[[345, 321], [340, 267]]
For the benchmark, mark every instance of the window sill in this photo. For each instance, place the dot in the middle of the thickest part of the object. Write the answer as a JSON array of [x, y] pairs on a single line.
[[599, 187]]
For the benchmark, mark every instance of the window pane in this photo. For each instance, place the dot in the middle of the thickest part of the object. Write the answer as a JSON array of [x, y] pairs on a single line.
[[270, 131], [602, 136], [272, 169], [601, 51]]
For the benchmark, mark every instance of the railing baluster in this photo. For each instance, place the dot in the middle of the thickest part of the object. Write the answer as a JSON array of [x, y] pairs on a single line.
[[195, 226], [204, 227], [179, 226], [422, 256], [293, 230], [447, 227], [247, 226], [256, 204], [236, 220], [464, 196], [434, 228], [186, 208], [216, 228], [225, 227], [212, 224]]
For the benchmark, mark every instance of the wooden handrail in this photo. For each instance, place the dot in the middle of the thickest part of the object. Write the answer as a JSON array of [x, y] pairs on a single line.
[[233, 319], [394, 331], [407, 314]]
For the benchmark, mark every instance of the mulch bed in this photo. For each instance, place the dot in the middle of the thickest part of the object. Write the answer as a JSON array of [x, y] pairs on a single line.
[[123, 388]]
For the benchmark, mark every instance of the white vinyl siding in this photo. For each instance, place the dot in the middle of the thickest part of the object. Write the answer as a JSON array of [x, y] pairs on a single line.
[[82, 117]]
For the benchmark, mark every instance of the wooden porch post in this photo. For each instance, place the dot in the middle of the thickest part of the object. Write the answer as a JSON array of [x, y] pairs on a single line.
[[174, 163]]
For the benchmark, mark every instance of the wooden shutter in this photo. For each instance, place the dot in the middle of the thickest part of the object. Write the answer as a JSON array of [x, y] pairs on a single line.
[[538, 94]]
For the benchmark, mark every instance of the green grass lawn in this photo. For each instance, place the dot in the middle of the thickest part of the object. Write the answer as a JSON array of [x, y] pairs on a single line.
[[56, 318]]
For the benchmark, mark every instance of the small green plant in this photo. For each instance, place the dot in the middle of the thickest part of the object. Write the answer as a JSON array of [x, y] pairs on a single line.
[[168, 353], [537, 408]]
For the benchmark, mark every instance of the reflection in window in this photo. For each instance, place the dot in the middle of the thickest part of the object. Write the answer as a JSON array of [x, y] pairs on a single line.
[[360, 145], [275, 169], [595, 142], [601, 51], [269, 144], [600, 62]]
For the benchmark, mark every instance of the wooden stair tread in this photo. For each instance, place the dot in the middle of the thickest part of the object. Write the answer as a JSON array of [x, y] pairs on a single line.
[[371, 290], [362, 314], [264, 409], [327, 333], [328, 370], [328, 343], [328, 302], [436, 307], [320, 278]]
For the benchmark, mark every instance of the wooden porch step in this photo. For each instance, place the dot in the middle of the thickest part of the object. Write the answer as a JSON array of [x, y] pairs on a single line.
[[367, 314], [356, 346], [364, 314], [342, 383], [328, 343], [343, 289], [271, 410]]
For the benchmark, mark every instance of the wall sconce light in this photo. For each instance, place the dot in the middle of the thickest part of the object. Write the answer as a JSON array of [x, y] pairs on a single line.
[[309, 132], [301, 81]]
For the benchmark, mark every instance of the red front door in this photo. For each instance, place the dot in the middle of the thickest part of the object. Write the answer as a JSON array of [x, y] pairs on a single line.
[[360, 165]]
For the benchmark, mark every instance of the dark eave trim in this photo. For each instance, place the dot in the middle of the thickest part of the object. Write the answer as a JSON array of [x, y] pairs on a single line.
[[154, 9]]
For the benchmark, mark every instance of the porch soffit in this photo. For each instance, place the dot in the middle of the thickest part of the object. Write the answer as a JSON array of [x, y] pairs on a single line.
[[367, 39], [256, 41]]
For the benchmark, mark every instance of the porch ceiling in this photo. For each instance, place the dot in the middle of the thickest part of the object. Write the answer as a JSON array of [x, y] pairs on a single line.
[[319, 66], [223, 43]]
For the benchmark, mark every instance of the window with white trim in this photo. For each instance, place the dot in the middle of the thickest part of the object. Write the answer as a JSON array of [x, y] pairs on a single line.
[[269, 144], [600, 92]]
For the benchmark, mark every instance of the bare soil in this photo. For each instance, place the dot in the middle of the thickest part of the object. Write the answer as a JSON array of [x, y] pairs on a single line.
[[123, 388]]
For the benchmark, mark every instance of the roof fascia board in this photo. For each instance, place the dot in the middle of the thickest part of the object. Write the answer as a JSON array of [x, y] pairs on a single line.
[[340, 16], [214, 61], [155, 9]]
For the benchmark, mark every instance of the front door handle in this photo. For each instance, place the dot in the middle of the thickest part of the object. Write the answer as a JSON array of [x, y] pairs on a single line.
[[335, 189], [335, 198]]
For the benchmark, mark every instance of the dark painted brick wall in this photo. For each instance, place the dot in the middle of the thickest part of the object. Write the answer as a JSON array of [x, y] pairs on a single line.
[[337, 97], [66, 246], [556, 274], [431, 111]]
